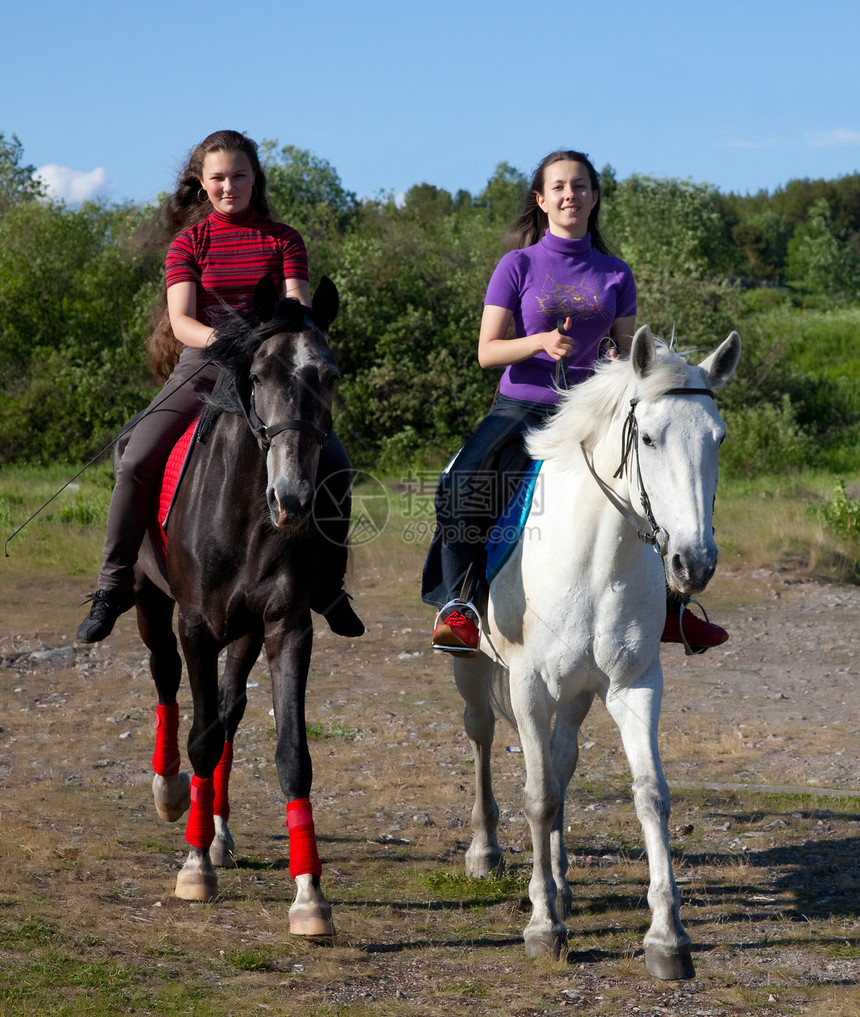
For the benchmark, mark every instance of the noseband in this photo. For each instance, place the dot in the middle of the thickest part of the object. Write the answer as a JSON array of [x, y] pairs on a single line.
[[658, 537], [264, 433]]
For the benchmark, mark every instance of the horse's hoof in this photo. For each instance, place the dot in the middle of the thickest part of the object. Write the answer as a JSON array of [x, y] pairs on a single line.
[[221, 850], [667, 965], [546, 943], [311, 920], [221, 854], [564, 903], [172, 795], [482, 865], [197, 886]]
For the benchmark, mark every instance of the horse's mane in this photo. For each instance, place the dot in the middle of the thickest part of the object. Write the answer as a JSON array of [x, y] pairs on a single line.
[[237, 339], [238, 336], [587, 410]]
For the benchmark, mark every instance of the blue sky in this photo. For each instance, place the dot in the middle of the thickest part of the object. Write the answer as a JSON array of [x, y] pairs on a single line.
[[743, 95]]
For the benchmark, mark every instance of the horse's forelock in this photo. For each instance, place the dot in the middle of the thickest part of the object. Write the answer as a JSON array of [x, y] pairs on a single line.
[[239, 337], [586, 411]]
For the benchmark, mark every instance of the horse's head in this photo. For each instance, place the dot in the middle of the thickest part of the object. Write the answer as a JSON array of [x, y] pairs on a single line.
[[659, 410], [285, 375], [674, 434]]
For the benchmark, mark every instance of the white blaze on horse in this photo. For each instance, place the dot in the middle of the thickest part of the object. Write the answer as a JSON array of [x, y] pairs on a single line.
[[578, 609]]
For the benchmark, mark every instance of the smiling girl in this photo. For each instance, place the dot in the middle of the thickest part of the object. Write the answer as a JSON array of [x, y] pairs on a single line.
[[223, 241], [568, 298]]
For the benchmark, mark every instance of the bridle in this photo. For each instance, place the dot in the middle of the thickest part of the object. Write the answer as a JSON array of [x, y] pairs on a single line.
[[264, 433], [658, 537]]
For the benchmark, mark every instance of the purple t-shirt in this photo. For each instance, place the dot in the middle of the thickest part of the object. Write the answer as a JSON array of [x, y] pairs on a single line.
[[554, 279]]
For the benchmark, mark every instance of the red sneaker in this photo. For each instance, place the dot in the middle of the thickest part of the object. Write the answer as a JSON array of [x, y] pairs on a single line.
[[456, 631], [698, 633]]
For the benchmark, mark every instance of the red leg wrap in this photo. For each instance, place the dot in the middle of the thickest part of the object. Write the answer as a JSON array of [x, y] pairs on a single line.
[[304, 857], [200, 831], [165, 759], [221, 778]]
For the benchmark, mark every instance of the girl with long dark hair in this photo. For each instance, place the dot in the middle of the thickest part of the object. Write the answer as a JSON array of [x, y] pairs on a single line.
[[223, 240], [569, 301]]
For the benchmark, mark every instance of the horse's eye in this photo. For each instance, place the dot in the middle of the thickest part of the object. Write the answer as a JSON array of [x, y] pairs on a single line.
[[647, 440]]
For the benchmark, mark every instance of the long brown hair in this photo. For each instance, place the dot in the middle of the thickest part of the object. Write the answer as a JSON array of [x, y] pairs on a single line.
[[530, 227], [182, 209]]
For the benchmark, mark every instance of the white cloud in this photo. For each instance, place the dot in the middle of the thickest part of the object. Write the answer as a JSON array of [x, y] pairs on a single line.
[[73, 186], [836, 138]]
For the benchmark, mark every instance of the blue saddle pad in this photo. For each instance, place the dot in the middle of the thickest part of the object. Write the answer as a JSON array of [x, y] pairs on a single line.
[[506, 532]]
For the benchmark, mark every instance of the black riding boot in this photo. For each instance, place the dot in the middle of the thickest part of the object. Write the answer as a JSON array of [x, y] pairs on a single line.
[[332, 509]]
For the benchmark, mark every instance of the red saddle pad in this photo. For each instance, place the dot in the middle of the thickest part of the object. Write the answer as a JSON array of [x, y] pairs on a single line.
[[173, 473]]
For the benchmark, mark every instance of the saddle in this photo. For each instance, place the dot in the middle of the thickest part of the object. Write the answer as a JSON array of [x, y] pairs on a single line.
[[517, 473], [174, 471], [197, 433], [511, 523]]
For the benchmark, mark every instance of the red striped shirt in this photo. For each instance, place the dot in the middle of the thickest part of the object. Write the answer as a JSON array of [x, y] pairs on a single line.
[[226, 256]]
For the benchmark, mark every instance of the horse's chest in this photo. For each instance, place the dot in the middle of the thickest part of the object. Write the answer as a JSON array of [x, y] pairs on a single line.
[[581, 644]]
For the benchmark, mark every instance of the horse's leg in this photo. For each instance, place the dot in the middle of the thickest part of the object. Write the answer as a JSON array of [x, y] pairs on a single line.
[[232, 697], [197, 879], [171, 788], [474, 681], [564, 746], [545, 934], [288, 649], [636, 711]]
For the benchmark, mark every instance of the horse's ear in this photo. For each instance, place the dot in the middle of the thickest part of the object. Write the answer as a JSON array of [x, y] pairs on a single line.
[[721, 364], [325, 303], [643, 355], [266, 298]]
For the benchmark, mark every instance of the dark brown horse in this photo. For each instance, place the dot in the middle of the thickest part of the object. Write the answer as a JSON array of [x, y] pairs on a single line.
[[240, 564]]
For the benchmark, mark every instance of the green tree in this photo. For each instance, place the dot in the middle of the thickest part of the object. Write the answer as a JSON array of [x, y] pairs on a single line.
[[17, 182], [425, 204], [412, 289], [608, 182], [306, 192], [71, 351], [504, 195], [820, 259], [762, 239], [668, 227]]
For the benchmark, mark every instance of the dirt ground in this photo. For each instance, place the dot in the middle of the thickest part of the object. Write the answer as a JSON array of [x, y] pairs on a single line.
[[759, 740]]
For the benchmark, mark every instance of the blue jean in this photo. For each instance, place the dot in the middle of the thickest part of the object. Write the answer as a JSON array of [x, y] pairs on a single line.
[[471, 494]]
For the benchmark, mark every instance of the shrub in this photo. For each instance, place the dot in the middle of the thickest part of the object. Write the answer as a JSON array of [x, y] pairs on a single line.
[[841, 515], [765, 438]]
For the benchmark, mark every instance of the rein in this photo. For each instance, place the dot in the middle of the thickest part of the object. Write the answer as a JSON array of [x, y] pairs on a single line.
[[658, 537]]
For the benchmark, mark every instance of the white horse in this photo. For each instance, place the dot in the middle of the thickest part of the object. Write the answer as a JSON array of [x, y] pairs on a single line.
[[578, 609]]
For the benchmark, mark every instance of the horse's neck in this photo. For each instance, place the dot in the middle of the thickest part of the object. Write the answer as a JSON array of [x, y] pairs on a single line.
[[230, 462], [588, 508]]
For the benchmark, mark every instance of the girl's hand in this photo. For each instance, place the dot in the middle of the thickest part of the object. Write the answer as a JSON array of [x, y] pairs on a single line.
[[558, 344], [608, 349]]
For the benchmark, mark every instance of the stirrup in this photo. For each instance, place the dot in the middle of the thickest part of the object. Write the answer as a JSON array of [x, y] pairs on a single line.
[[458, 605], [688, 650]]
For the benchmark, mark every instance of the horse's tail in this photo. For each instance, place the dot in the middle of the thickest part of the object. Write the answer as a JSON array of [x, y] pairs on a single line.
[[500, 693]]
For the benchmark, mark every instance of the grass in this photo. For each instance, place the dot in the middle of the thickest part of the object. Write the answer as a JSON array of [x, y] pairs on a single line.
[[773, 522]]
